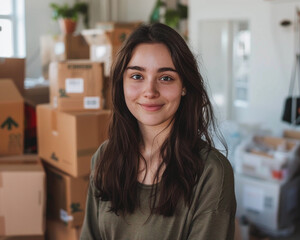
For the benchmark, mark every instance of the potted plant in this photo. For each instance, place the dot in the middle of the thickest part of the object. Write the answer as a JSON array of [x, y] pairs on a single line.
[[68, 16]]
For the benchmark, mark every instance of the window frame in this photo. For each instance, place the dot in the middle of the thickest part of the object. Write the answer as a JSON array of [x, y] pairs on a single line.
[[18, 22]]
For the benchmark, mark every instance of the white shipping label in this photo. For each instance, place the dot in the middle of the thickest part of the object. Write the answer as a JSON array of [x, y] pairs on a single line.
[[59, 48], [64, 216], [91, 102], [253, 198], [74, 85]]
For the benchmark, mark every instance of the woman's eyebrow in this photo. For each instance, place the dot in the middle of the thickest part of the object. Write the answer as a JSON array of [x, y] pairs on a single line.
[[164, 69], [136, 68]]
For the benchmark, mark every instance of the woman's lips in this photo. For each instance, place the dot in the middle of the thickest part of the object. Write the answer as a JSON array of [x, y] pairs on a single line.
[[151, 107]]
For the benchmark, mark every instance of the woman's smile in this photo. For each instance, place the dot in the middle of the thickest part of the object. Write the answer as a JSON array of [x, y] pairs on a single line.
[[152, 107]]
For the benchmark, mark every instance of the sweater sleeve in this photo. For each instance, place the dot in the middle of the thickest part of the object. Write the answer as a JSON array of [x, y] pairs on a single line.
[[214, 205], [90, 229]]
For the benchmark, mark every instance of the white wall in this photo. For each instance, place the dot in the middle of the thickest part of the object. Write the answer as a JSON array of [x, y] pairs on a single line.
[[135, 10], [38, 21], [272, 51]]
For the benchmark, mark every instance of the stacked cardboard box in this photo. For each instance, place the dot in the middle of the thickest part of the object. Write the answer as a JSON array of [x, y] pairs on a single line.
[[268, 183], [60, 48], [70, 129], [67, 196], [22, 177], [76, 85], [11, 119], [105, 41], [22, 194]]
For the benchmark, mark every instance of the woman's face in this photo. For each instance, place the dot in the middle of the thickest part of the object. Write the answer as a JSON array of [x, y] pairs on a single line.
[[152, 86]]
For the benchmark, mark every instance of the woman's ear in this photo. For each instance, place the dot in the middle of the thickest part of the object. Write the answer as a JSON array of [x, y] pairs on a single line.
[[183, 93]]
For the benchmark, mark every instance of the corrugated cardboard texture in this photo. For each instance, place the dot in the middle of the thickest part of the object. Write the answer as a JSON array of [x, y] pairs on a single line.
[[23, 198], [70, 142], [66, 193], [92, 77], [13, 68], [11, 119]]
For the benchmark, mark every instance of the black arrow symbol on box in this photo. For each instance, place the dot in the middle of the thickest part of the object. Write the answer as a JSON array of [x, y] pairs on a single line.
[[9, 123], [54, 157], [76, 207]]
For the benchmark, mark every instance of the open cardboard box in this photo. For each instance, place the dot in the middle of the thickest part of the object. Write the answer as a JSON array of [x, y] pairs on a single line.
[[11, 119], [13, 68], [269, 158]]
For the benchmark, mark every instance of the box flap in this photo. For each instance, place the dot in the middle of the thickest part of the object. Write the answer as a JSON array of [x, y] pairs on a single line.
[[9, 91], [13, 68]]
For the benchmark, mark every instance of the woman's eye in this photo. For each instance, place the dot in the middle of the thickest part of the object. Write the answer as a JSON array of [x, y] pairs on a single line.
[[166, 78], [137, 77]]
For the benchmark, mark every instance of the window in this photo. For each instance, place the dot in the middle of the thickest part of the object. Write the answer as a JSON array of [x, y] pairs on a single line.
[[12, 30], [241, 63]]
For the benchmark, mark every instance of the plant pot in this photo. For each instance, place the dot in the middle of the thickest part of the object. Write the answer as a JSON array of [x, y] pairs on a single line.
[[67, 25]]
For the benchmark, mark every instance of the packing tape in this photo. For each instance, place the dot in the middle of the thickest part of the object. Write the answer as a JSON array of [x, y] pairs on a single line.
[[2, 226], [85, 152]]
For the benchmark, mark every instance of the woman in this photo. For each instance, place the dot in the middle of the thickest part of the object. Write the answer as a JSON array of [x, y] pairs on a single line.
[[158, 176]]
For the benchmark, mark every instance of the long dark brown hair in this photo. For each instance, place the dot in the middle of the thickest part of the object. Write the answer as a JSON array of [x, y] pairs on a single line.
[[116, 172]]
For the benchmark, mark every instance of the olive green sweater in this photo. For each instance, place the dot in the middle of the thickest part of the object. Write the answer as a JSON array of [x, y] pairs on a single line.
[[210, 217]]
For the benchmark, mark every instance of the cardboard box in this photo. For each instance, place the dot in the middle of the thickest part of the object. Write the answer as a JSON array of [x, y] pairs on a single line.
[[24, 238], [76, 85], [36, 92], [62, 47], [269, 158], [68, 140], [11, 119], [66, 197], [13, 68], [22, 195], [106, 39], [58, 231], [269, 205], [292, 134], [101, 47]]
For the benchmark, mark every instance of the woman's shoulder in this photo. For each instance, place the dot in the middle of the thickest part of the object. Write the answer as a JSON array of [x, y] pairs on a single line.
[[216, 182], [216, 162], [98, 154]]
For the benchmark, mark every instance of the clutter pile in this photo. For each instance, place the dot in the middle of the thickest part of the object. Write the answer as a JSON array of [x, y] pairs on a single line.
[[267, 176]]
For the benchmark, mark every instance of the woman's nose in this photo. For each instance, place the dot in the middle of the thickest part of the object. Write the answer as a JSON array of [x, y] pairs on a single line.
[[151, 89]]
